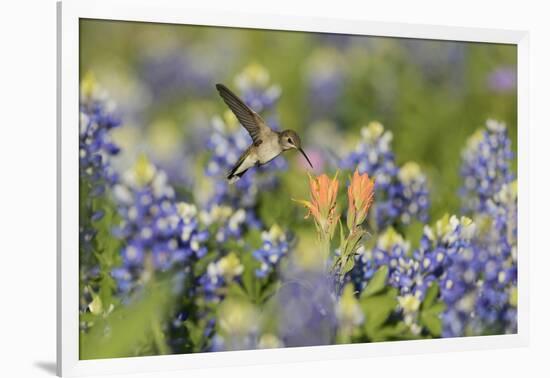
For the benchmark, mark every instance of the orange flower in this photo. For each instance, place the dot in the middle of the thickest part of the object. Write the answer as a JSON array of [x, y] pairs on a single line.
[[360, 198], [323, 203]]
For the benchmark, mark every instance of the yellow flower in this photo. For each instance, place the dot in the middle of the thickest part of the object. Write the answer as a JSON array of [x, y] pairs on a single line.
[[513, 297], [89, 85], [360, 198], [372, 131], [269, 341], [254, 75], [409, 303], [143, 171], [237, 317], [230, 267], [409, 172], [389, 238]]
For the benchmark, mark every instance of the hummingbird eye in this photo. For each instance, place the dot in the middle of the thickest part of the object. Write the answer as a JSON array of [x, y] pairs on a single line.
[[289, 140]]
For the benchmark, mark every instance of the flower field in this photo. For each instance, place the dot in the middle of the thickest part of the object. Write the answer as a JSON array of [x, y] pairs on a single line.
[[405, 228]]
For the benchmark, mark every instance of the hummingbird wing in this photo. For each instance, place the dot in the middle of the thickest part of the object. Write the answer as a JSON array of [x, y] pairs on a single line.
[[250, 120]]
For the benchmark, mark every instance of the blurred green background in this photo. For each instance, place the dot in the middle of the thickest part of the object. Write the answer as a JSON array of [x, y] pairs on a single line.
[[431, 94]]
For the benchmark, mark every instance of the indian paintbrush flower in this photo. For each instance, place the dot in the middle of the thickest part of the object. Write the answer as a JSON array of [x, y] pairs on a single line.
[[322, 206], [360, 198]]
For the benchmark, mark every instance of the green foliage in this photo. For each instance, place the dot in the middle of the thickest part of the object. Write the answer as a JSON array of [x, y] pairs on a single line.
[[377, 282], [431, 310], [378, 301], [119, 333], [107, 253], [382, 320]]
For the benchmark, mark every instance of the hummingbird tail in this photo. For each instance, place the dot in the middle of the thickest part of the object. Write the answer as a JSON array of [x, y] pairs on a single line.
[[233, 179]]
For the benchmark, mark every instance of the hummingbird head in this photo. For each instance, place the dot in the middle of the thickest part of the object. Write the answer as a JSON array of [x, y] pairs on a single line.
[[289, 139]]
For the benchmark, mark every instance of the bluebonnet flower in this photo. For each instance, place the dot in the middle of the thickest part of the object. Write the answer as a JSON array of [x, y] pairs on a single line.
[[325, 81], [502, 79], [158, 232], [401, 193], [256, 90], [405, 271], [490, 192], [373, 155], [97, 120], [411, 193], [224, 222], [434, 58], [306, 307], [446, 255], [485, 166], [176, 71], [497, 250], [337, 41], [275, 246], [391, 250], [219, 274], [475, 281]]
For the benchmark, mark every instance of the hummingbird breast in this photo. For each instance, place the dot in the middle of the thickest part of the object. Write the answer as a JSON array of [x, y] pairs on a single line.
[[268, 150]]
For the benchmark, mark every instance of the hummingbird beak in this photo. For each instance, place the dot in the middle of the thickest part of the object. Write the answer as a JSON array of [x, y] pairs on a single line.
[[303, 153]]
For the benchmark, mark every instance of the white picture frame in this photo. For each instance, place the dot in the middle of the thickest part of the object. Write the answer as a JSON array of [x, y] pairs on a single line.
[[69, 13]]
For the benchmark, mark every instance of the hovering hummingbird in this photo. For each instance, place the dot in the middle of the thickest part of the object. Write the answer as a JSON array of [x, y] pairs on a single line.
[[267, 143]]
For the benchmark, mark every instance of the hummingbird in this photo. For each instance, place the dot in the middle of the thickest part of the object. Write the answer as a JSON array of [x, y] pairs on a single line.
[[267, 143]]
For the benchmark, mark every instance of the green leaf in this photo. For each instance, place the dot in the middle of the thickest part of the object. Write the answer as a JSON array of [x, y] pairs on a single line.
[[432, 322], [431, 295], [377, 309], [397, 331], [269, 290], [235, 290], [413, 233], [128, 326], [201, 265], [430, 311], [437, 308], [342, 237], [350, 262], [250, 282], [352, 241], [335, 263], [377, 282]]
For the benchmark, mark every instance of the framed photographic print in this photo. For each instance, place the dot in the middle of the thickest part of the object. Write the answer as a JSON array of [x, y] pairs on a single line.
[[238, 190]]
